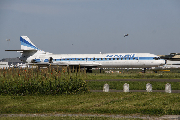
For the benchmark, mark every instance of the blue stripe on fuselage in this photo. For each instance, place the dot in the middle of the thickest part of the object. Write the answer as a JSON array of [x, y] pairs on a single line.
[[102, 59]]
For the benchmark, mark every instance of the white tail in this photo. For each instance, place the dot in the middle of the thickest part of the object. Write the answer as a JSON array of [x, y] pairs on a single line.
[[26, 44]]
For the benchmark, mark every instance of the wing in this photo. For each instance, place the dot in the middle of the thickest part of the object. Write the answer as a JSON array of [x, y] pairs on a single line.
[[67, 64]]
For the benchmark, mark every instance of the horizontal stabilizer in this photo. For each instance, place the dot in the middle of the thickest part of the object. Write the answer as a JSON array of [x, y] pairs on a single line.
[[22, 50]]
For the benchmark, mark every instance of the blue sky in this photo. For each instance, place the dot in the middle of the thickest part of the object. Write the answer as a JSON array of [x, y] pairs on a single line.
[[91, 26]]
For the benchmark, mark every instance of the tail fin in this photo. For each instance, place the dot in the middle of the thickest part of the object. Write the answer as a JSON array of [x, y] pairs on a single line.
[[26, 44]]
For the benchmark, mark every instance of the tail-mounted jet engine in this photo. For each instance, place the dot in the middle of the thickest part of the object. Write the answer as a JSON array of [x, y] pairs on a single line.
[[50, 60], [33, 60]]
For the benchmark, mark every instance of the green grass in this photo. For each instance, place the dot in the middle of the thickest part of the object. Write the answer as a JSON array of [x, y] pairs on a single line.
[[136, 85], [161, 75], [66, 118], [94, 103], [134, 74]]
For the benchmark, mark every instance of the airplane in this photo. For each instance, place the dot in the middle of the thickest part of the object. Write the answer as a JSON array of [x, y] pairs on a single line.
[[34, 56]]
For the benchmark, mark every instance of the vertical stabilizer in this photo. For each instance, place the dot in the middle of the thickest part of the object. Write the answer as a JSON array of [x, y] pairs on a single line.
[[26, 44]]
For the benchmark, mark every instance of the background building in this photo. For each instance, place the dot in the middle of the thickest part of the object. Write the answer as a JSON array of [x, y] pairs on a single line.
[[12, 61], [172, 60]]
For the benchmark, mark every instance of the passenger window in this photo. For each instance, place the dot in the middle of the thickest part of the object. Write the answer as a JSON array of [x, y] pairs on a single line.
[[129, 58], [113, 58], [105, 58], [109, 58], [97, 58], [121, 58], [101, 58], [117, 58], [125, 58], [93, 58]]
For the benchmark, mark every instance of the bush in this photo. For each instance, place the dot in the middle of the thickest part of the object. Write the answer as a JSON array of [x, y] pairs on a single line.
[[28, 82]]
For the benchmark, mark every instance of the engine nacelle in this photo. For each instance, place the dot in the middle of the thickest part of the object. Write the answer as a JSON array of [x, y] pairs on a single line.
[[50, 60], [33, 61]]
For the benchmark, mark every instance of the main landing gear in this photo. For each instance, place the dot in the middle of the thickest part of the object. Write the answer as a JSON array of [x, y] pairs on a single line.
[[89, 70], [143, 70]]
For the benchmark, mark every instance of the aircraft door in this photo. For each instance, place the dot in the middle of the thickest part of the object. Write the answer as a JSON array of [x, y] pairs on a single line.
[[138, 60]]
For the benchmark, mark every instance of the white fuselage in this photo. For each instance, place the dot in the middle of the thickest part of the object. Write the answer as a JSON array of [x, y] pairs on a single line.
[[109, 60]]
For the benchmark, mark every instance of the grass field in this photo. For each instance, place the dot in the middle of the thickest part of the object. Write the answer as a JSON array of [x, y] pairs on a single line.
[[94, 103], [161, 75], [66, 118], [86, 102], [134, 74]]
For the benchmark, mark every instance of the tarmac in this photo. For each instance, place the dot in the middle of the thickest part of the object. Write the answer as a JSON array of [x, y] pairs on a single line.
[[172, 91], [149, 80], [146, 117]]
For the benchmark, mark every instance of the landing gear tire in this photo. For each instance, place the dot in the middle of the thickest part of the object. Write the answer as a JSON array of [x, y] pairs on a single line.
[[144, 70]]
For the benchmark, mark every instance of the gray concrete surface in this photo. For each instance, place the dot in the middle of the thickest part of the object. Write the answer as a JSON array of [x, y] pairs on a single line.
[[146, 117], [155, 80]]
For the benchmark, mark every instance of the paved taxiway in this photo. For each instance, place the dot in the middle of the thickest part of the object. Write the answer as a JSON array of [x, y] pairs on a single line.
[[172, 91], [149, 80], [146, 117]]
